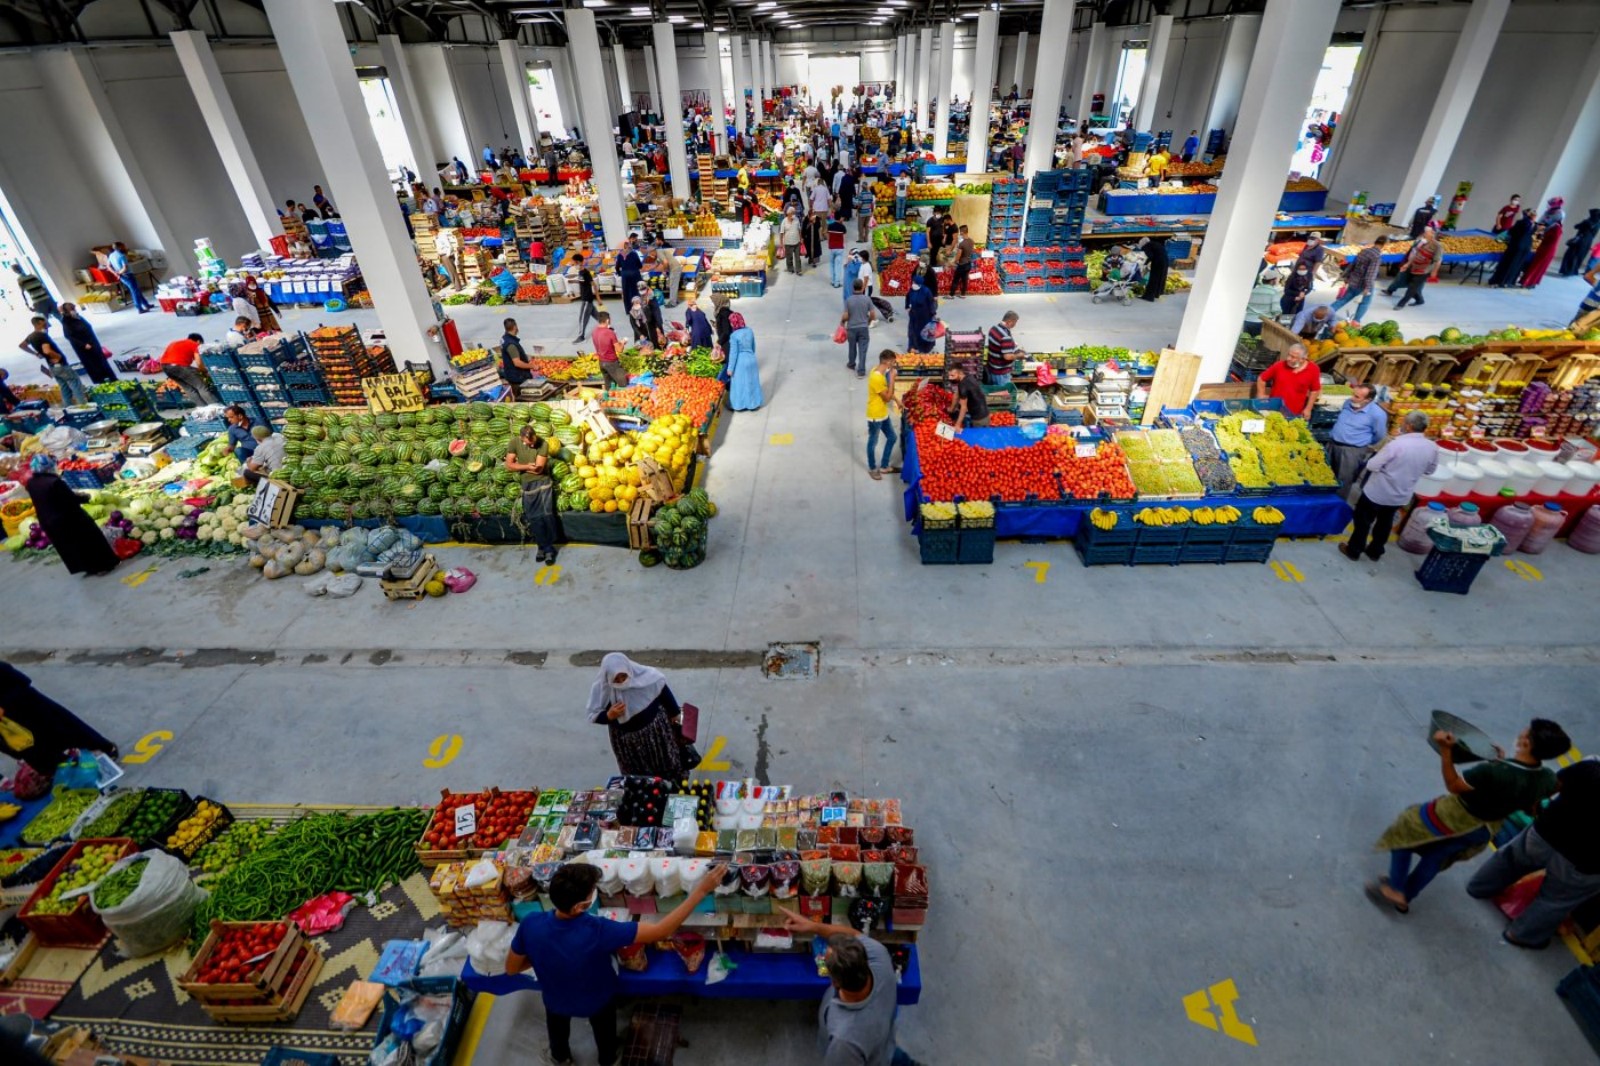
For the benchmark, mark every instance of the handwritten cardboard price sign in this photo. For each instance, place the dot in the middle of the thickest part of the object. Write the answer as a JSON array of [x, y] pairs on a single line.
[[392, 393]]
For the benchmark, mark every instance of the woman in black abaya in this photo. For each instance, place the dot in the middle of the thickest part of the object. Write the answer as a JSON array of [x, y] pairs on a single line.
[[1519, 245], [73, 534], [1156, 249], [40, 731]]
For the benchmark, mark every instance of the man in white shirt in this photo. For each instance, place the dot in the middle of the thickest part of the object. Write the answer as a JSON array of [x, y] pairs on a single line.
[[902, 189], [267, 457]]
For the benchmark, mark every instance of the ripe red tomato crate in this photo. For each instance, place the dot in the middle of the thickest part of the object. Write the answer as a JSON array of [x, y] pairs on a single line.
[[81, 927], [281, 1006], [264, 988], [430, 851], [507, 814]]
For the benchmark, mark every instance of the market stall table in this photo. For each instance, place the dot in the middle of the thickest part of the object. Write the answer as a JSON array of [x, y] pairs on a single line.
[[1316, 514], [1148, 225], [1203, 203], [759, 975]]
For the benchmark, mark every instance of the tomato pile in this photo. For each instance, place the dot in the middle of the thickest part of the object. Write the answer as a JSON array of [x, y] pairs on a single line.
[[505, 818], [228, 961], [441, 831], [684, 394], [1002, 418], [951, 469], [927, 403], [1106, 474]]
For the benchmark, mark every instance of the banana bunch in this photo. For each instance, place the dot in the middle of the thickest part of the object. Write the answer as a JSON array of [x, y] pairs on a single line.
[[1162, 516], [1267, 516], [1103, 519], [9, 811], [1216, 516]]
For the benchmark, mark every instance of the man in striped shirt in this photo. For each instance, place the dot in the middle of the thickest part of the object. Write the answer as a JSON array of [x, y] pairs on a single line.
[[1002, 351], [1361, 277]]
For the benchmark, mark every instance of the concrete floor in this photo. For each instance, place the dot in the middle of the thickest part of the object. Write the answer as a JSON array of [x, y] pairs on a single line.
[[1131, 784]]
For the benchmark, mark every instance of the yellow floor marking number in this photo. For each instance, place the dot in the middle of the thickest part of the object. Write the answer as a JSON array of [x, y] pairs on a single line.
[[133, 581], [147, 748], [443, 750], [548, 575], [1040, 569], [711, 764], [1197, 1005], [1287, 571], [1526, 571], [781, 438]]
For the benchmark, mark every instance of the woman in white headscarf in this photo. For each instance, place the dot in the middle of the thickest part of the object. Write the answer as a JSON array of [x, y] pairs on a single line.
[[640, 712]]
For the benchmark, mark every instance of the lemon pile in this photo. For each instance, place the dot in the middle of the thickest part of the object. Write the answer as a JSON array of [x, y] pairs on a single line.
[[90, 866], [670, 440], [608, 473], [195, 829]]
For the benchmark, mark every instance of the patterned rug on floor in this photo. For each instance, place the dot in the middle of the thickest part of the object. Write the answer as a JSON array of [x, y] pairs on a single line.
[[137, 1008], [46, 979]]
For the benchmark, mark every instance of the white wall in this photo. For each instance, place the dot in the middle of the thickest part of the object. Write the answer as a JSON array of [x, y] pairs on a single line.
[[1535, 63]]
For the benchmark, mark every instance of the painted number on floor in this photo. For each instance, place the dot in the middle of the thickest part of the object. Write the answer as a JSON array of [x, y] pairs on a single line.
[[148, 747], [1526, 571], [1197, 1005], [781, 438], [133, 581], [1287, 572], [713, 762], [1039, 571], [443, 750], [548, 575]]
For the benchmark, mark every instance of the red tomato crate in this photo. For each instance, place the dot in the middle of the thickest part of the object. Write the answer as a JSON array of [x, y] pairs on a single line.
[[271, 990], [81, 927]]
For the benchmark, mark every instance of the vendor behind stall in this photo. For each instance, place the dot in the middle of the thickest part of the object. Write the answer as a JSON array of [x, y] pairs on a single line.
[[529, 458], [266, 458], [1313, 323], [971, 406], [1294, 380]]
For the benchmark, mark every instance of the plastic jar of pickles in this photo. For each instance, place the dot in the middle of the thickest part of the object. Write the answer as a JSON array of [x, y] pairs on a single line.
[[1414, 537]]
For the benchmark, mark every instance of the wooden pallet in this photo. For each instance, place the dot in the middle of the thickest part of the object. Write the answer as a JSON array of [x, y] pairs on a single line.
[[297, 992]]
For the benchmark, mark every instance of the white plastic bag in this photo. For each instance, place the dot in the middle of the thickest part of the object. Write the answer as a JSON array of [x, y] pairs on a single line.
[[156, 914], [610, 876], [447, 951], [487, 945], [665, 871], [727, 816], [636, 879], [482, 873], [685, 835]]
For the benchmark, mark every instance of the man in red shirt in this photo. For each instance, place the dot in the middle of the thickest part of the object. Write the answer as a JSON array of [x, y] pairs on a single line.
[[178, 362], [607, 348], [1294, 379]]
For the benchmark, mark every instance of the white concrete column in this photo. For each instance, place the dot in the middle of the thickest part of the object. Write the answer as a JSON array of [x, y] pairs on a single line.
[[1283, 71], [983, 63], [1233, 63], [719, 124], [84, 117], [736, 68], [566, 90], [1049, 82], [764, 64], [583, 43], [419, 140], [924, 79], [1571, 143], [436, 93], [312, 43], [947, 77], [516, 74], [619, 60], [1155, 64], [227, 133], [1019, 72], [1091, 69], [1450, 108], [666, 72], [653, 76]]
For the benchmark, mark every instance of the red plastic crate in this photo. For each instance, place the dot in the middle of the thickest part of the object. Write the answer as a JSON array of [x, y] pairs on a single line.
[[80, 928]]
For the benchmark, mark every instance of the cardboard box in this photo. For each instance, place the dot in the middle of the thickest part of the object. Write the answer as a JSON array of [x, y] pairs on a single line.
[[273, 504]]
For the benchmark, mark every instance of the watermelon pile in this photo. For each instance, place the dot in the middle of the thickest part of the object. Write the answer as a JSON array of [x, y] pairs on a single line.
[[448, 461], [679, 530]]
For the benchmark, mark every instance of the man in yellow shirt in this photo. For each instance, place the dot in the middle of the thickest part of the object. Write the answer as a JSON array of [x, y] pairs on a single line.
[[880, 398], [1156, 165]]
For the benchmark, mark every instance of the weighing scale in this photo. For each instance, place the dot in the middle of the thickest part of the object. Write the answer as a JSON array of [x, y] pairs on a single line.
[[147, 437]]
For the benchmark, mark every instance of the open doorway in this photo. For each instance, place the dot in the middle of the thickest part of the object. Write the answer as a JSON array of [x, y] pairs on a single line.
[[825, 73], [546, 102], [385, 119], [1326, 109], [1130, 77]]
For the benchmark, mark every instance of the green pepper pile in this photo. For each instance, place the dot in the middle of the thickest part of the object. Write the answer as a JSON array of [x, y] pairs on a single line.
[[57, 817], [701, 363], [109, 821], [318, 853], [116, 887]]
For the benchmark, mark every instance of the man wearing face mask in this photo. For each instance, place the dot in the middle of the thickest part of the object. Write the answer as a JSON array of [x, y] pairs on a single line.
[[569, 950]]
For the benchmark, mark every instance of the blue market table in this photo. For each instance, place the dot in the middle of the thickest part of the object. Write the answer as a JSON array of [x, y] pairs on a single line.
[[758, 975], [1316, 514], [1200, 203]]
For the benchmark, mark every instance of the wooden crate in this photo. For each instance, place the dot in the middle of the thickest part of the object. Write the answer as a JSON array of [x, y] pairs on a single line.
[[302, 977], [430, 857], [639, 514], [267, 986]]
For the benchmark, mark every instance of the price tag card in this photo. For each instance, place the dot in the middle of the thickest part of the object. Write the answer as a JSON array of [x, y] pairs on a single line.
[[1253, 425], [945, 431], [466, 820], [1086, 449], [391, 393]]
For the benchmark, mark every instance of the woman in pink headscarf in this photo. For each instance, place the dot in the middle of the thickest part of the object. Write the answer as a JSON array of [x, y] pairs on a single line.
[[1549, 244]]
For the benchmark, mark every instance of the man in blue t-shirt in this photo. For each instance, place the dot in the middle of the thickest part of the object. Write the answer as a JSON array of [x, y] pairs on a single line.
[[570, 951]]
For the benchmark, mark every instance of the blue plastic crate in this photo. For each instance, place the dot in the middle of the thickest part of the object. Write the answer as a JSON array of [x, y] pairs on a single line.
[[309, 396], [939, 545], [975, 545], [1162, 536], [282, 1056], [196, 427], [1248, 553], [188, 447], [220, 357], [235, 394], [1220, 535], [1108, 555], [1204, 553], [1092, 536], [300, 378], [90, 414], [1157, 555], [1444, 571], [225, 375]]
